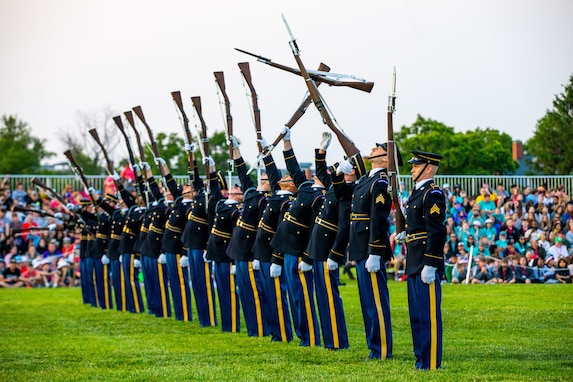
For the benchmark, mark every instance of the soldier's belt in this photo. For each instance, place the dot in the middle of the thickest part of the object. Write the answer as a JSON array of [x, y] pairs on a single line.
[[216, 232], [289, 218], [416, 236], [266, 227], [172, 228], [129, 231], [102, 236], [198, 219], [144, 229], [115, 237], [246, 226], [326, 224], [83, 237], [154, 229], [359, 217]]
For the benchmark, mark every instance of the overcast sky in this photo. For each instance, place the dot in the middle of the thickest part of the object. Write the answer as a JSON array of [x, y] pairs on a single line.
[[468, 64]]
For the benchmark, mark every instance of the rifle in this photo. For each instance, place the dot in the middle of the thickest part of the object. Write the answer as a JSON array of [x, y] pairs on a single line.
[[119, 124], [79, 172], [220, 79], [346, 143], [246, 72], [186, 133], [38, 211], [142, 185], [392, 159], [129, 117], [54, 195], [318, 75], [205, 146], [95, 136], [59, 227]]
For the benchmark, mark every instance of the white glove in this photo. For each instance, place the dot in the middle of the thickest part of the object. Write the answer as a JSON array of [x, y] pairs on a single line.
[[71, 207], [428, 274], [286, 131], [373, 263], [184, 261], [208, 160], [121, 259], [325, 141], [52, 227], [137, 263], [105, 260], [400, 238], [263, 142], [145, 166], [344, 167], [59, 215], [276, 270], [115, 176], [160, 162], [189, 147], [233, 142], [136, 168], [304, 267], [256, 265], [233, 269], [205, 257], [331, 265], [92, 191], [162, 259]]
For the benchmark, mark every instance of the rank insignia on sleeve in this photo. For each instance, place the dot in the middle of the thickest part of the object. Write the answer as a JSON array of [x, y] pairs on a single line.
[[435, 209], [380, 199]]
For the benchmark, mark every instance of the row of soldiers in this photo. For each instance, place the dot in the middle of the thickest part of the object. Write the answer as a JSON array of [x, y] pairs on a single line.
[[272, 249]]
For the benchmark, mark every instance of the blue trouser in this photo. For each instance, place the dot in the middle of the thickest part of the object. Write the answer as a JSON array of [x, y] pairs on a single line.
[[133, 298], [251, 303], [228, 298], [179, 283], [148, 282], [90, 281], [103, 286], [83, 281], [375, 303], [301, 292], [203, 289], [275, 306], [330, 310], [117, 284], [159, 291], [424, 305]]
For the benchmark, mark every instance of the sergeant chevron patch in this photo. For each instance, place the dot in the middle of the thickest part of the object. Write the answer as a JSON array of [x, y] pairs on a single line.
[[435, 209], [380, 199]]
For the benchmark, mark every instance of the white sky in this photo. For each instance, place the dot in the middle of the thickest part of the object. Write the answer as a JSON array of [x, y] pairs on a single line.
[[486, 63]]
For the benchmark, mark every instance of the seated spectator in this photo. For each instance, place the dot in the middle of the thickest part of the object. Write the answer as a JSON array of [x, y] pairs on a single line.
[[65, 274], [19, 194], [10, 277], [505, 274], [459, 273], [523, 274], [52, 252], [502, 242], [489, 231], [521, 245], [558, 250], [481, 273], [562, 273], [49, 274], [487, 205], [30, 275], [539, 271], [510, 250]]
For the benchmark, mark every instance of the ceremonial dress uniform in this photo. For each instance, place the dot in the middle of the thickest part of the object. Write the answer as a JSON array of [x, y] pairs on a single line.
[[132, 226], [117, 275], [87, 237], [102, 271]]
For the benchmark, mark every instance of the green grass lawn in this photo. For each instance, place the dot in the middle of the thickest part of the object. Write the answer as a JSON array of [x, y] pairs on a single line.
[[491, 333]]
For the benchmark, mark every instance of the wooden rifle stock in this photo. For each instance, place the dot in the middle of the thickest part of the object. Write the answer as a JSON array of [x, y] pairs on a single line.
[[246, 72], [139, 112], [40, 212], [176, 95], [119, 124], [95, 136], [205, 142], [392, 165], [59, 227], [220, 79], [359, 85], [129, 117], [78, 170], [53, 194]]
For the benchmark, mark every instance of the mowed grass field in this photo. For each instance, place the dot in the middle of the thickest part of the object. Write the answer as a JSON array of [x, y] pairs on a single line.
[[491, 333]]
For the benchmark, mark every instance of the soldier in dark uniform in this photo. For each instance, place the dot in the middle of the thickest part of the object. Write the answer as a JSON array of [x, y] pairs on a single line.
[[425, 239], [117, 220], [289, 243], [240, 247], [86, 240], [225, 216], [369, 247]]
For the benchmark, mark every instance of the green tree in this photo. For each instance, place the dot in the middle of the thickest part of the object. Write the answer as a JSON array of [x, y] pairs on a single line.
[[476, 152], [551, 145], [21, 152]]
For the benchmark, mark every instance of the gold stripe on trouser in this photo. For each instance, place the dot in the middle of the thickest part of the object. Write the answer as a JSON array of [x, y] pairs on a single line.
[[433, 328], [105, 286], [307, 309], [182, 287], [132, 281], [122, 287], [94, 277], [162, 289], [376, 293], [209, 293], [333, 323], [280, 308], [257, 299], [233, 292]]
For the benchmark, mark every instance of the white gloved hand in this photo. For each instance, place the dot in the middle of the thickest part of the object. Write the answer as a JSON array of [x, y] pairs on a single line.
[[400, 238], [344, 167], [263, 142], [373, 263], [256, 265], [304, 267], [105, 260], [120, 259], [189, 147], [162, 259], [92, 191], [184, 261], [325, 141], [331, 265], [208, 160], [205, 259], [115, 176], [233, 270], [428, 274], [276, 270], [137, 263], [160, 162], [135, 167], [286, 131], [52, 227], [71, 207], [233, 143], [59, 215], [145, 166]]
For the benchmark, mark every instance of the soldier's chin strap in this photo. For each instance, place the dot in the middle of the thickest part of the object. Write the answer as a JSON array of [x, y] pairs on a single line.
[[421, 172]]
